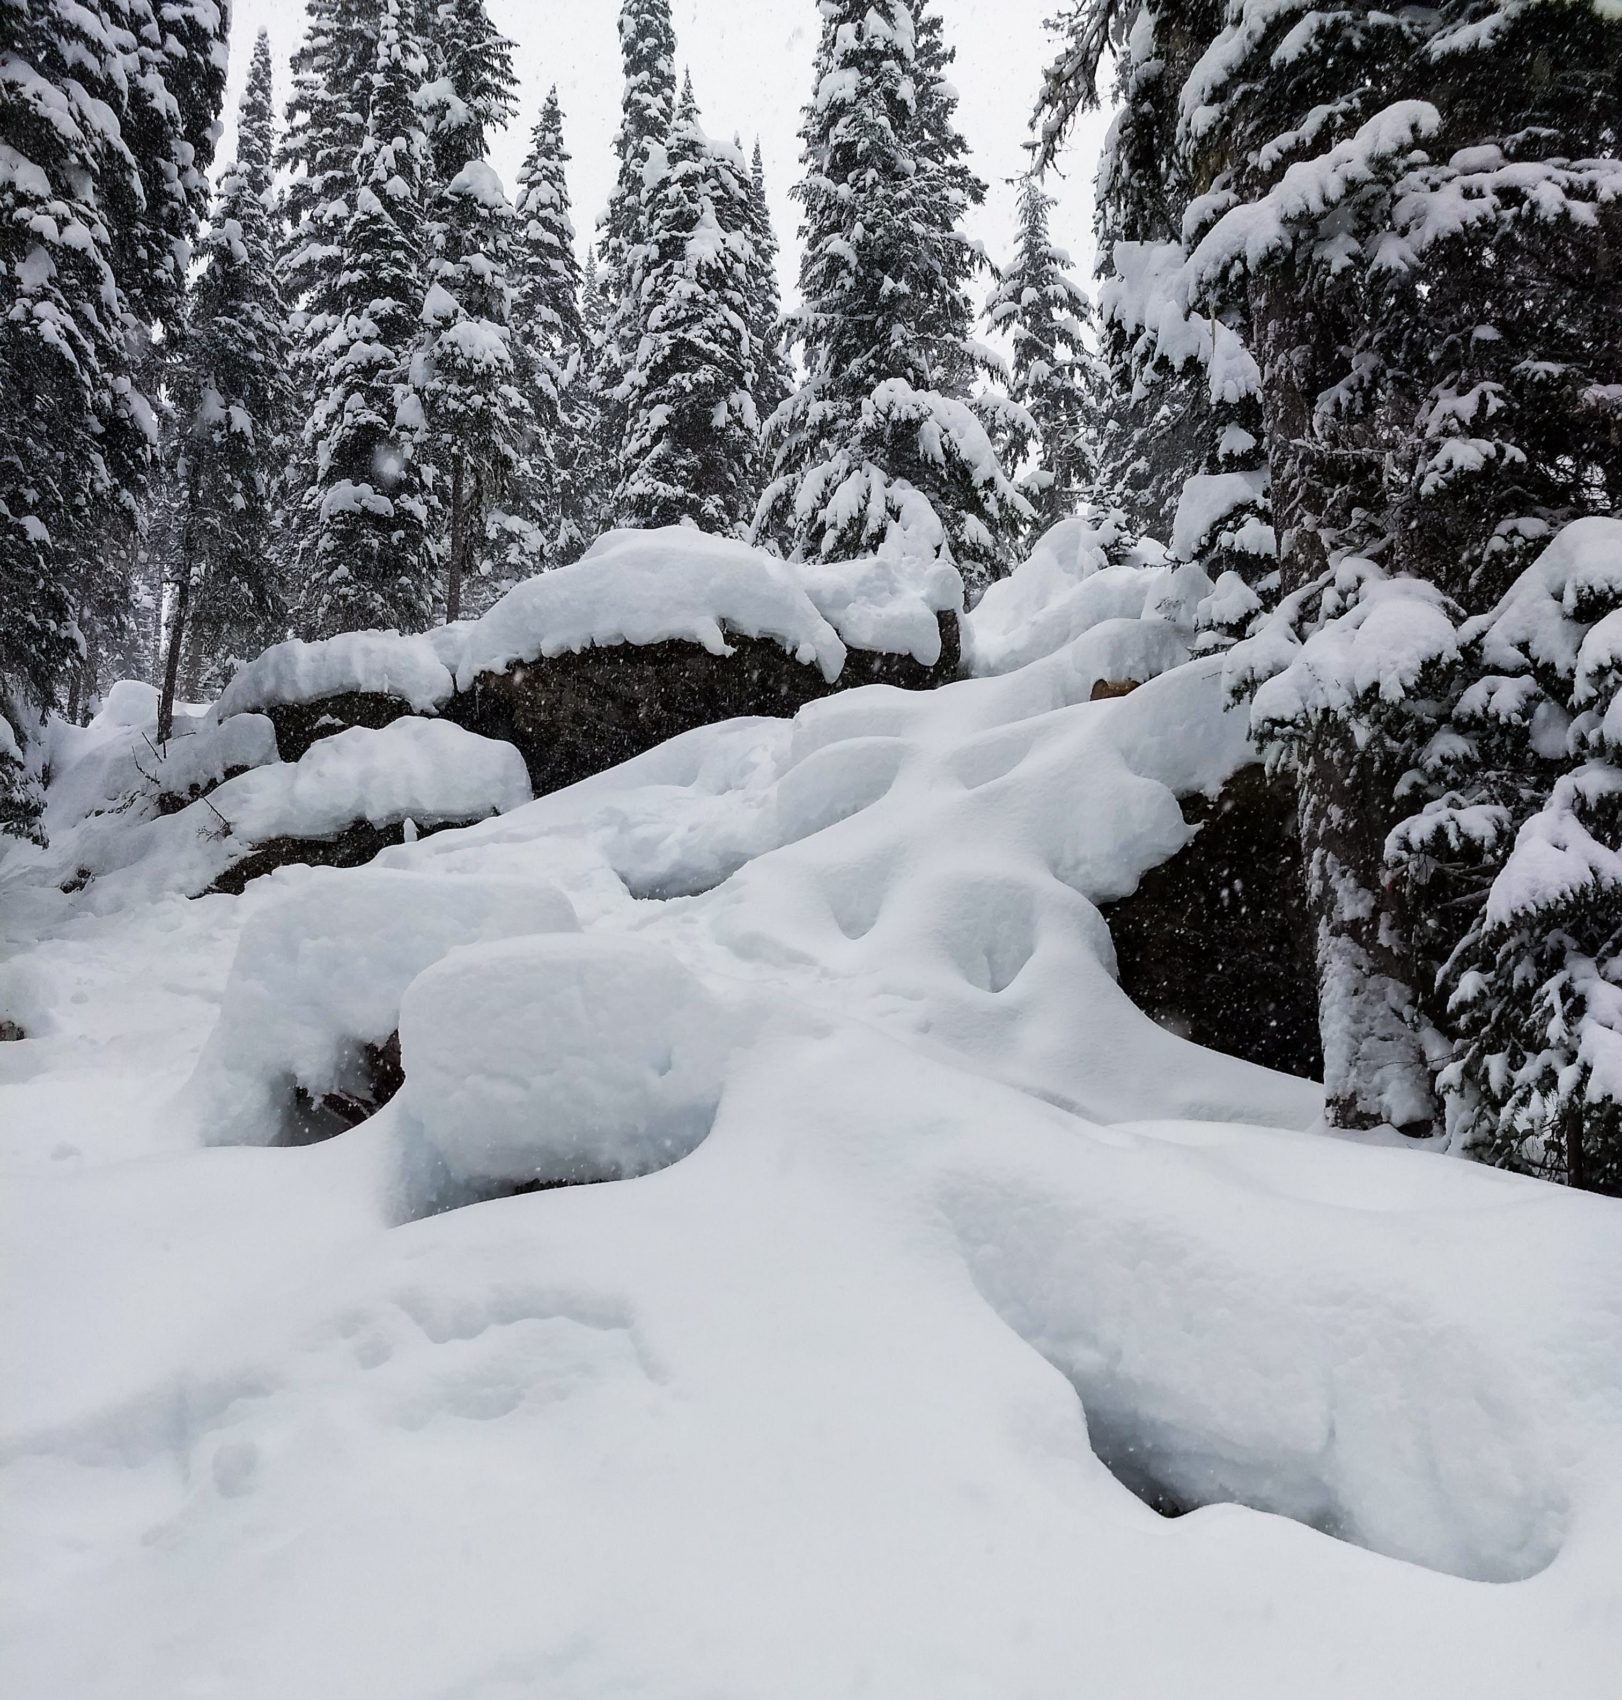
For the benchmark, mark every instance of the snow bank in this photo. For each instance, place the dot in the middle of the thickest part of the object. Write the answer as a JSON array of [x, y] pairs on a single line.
[[847, 1399]]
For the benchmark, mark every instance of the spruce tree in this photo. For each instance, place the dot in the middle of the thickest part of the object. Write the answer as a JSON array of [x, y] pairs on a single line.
[[880, 447], [111, 132], [774, 377], [1434, 356], [232, 402], [373, 558], [692, 438], [1044, 314], [551, 343], [469, 380], [327, 111], [647, 108]]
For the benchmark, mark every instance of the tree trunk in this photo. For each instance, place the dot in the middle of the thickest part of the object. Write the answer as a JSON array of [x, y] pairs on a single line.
[[171, 665], [1375, 1066], [453, 585]]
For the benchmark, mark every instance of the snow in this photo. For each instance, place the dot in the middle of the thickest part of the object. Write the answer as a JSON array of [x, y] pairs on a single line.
[[1067, 587], [425, 771], [384, 663], [1207, 501], [560, 1059], [912, 1242]]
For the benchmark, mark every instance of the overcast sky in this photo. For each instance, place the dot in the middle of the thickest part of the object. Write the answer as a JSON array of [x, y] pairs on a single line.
[[751, 66]]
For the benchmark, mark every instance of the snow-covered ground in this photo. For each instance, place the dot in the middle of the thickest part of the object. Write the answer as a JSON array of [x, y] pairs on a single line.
[[911, 1249]]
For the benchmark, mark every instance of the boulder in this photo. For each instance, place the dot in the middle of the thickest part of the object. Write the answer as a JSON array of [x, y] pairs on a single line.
[[1215, 942]]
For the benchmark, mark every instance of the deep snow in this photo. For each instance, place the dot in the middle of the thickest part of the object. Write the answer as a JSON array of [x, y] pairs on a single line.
[[909, 1241]]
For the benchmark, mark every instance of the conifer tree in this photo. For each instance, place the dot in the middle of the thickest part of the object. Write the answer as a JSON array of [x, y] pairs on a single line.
[[1044, 313], [232, 402], [110, 127], [550, 339], [469, 381], [373, 559], [774, 378], [692, 438], [325, 130], [880, 447], [647, 108]]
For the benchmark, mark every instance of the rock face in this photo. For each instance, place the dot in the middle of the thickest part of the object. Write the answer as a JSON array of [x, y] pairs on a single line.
[[574, 715], [1215, 942]]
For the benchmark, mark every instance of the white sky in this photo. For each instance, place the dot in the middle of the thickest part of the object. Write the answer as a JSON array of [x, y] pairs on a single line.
[[751, 66]]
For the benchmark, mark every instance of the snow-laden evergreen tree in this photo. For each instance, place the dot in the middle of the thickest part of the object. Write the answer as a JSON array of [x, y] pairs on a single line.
[[647, 108], [550, 343], [601, 447], [468, 378], [1523, 834], [880, 446], [1044, 313], [325, 131], [692, 437], [774, 377], [232, 401], [1180, 435], [373, 561], [107, 125], [1417, 215]]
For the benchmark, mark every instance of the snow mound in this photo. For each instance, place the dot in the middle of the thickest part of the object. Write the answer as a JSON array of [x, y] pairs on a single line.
[[1081, 574], [378, 663], [427, 772], [320, 972], [132, 776], [560, 1060]]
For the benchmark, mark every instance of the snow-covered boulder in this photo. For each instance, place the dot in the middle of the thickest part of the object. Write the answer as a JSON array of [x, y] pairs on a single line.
[[561, 1059], [318, 979], [650, 634], [353, 679], [348, 797], [653, 633]]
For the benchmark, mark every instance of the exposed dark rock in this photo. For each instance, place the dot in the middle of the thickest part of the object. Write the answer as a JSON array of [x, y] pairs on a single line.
[[371, 1079], [571, 716], [172, 802], [349, 849], [1105, 690], [1215, 943], [10, 1030], [301, 724]]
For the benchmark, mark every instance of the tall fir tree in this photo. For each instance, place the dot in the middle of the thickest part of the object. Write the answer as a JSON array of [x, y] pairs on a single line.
[[1044, 313], [469, 378], [774, 377], [601, 450], [692, 441], [880, 447], [372, 508], [551, 342], [111, 122], [232, 402], [325, 130], [647, 107]]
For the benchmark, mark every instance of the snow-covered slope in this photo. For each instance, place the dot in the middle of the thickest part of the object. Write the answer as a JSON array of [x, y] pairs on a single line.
[[909, 1241]]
